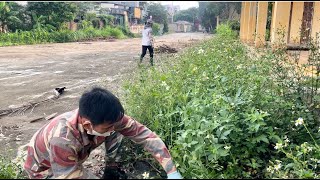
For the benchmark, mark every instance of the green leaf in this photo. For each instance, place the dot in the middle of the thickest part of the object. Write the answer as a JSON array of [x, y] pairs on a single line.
[[194, 142], [222, 152], [262, 138], [288, 166], [225, 134]]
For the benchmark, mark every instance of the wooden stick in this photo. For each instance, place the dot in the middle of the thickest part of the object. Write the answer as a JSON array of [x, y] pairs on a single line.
[[44, 118], [51, 116], [37, 119]]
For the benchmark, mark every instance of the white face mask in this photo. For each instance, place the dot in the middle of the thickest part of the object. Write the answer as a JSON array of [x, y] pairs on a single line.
[[95, 133]]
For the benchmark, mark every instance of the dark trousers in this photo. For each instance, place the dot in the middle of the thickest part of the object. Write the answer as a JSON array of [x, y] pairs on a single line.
[[144, 51]]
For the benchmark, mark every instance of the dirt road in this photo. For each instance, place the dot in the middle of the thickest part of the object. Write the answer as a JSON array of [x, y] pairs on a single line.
[[31, 72]]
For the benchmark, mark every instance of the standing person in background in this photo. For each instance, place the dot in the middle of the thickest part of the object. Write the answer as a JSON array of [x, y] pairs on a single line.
[[147, 41]]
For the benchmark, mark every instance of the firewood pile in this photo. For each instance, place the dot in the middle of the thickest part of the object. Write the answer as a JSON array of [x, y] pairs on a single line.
[[165, 49]]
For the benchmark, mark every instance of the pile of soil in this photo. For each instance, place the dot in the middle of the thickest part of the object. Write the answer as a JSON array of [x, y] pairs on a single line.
[[165, 49]]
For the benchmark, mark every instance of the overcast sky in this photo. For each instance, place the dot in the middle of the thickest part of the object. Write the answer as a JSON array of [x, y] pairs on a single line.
[[183, 4], [21, 2]]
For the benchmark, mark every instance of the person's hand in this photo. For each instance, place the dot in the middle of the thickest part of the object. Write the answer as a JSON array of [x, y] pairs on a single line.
[[174, 175]]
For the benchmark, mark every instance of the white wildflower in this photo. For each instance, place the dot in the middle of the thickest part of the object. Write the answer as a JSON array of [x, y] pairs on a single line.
[[277, 167], [309, 149], [227, 147], [145, 175], [278, 146], [269, 169], [299, 121], [164, 83], [287, 140], [239, 66], [200, 51]]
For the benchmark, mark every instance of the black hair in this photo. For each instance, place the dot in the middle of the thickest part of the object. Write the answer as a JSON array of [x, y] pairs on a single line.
[[100, 106]]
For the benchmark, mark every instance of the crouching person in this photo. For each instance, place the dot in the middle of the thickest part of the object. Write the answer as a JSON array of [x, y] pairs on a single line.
[[59, 148]]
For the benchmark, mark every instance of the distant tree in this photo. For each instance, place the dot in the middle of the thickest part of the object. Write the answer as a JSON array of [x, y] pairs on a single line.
[[108, 20], [189, 15], [56, 13], [83, 8], [8, 16], [208, 11], [24, 22], [157, 11], [165, 27], [39, 21]]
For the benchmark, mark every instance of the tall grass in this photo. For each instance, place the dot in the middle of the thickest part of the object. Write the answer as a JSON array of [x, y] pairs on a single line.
[[10, 170], [222, 111], [43, 36]]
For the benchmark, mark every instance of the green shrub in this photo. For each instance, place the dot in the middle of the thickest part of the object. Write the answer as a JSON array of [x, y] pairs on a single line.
[[96, 23], [126, 31], [42, 36], [105, 32], [267, 38], [220, 110], [9, 170], [165, 27], [108, 20], [225, 31], [300, 161], [234, 25], [85, 24], [117, 33], [156, 29]]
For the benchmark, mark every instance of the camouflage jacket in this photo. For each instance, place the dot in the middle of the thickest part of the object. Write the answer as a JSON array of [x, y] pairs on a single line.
[[61, 146]]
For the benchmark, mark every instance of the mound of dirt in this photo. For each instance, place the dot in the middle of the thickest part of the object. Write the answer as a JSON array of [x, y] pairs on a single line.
[[165, 49]]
